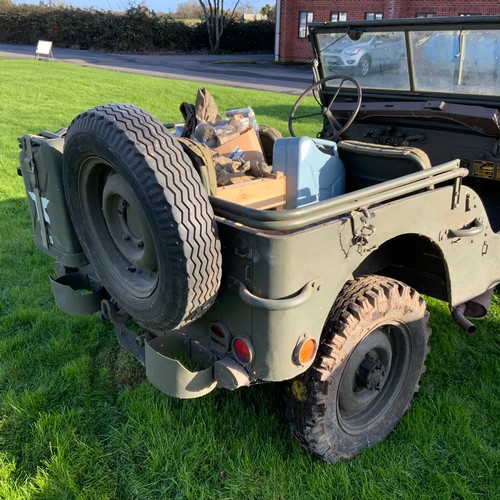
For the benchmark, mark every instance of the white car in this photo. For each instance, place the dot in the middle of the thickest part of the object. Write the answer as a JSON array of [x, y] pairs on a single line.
[[370, 53]]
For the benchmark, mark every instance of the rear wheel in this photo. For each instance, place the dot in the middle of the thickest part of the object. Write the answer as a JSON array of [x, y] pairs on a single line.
[[142, 215], [368, 367]]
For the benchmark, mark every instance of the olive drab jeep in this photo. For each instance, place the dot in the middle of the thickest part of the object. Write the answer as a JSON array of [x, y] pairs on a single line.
[[311, 272]]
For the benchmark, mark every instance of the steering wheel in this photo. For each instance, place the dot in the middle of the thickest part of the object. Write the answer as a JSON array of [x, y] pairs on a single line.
[[327, 111]]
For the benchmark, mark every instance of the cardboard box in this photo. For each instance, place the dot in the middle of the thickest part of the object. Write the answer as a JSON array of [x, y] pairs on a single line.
[[247, 143]]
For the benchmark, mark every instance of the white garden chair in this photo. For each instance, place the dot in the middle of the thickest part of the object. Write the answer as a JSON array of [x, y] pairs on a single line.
[[44, 50]]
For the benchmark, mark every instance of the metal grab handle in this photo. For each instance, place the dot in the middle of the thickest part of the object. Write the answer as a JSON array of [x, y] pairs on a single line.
[[476, 228], [275, 304]]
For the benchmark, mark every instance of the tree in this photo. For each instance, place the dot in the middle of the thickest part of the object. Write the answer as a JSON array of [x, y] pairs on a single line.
[[216, 18], [189, 10], [244, 7], [269, 11]]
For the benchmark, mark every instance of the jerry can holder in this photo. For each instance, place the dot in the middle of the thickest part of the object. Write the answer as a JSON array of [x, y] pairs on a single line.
[[180, 366], [77, 293]]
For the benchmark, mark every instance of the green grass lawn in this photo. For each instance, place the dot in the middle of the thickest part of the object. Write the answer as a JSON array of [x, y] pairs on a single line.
[[79, 420]]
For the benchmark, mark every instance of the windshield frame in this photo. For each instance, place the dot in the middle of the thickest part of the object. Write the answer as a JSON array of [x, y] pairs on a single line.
[[406, 27]]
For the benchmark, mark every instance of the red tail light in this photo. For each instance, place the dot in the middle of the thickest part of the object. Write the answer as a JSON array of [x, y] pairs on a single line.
[[242, 350]]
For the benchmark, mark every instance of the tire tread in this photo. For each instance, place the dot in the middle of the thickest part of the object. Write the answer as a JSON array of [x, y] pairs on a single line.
[[166, 174], [307, 417]]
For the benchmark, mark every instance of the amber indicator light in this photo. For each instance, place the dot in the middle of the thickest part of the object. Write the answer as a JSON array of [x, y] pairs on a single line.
[[305, 351]]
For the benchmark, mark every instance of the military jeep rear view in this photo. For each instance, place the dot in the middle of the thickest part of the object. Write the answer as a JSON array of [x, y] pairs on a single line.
[[226, 255]]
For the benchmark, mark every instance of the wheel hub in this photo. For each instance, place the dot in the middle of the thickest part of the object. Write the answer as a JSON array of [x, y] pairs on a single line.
[[126, 217], [364, 375], [128, 225], [370, 373]]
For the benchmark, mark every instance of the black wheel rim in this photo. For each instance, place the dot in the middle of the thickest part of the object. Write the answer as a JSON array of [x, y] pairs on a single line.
[[365, 66], [118, 227], [373, 377]]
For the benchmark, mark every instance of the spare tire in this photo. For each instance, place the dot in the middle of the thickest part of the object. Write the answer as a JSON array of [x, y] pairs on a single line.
[[142, 215]]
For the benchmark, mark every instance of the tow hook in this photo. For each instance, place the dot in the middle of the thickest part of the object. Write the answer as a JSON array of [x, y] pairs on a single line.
[[110, 312]]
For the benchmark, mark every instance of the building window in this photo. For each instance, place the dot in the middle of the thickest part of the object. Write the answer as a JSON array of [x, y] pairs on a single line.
[[467, 15], [374, 16], [304, 19], [335, 17], [426, 14]]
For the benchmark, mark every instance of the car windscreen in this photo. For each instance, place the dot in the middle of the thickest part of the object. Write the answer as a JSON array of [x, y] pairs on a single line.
[[455, 61], [464, 62], [377, 60]]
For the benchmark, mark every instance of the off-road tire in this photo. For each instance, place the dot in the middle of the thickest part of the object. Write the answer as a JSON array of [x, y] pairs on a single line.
[[346, 402], [142, 215]]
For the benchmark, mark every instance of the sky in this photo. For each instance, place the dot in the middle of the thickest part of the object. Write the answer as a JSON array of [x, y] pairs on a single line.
[[156, 5]]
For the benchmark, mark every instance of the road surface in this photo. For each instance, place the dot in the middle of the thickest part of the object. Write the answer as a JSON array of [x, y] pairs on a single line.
[[255, 71]]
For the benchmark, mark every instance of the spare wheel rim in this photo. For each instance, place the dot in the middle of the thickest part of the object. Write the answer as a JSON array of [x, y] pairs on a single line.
[[118, 227]]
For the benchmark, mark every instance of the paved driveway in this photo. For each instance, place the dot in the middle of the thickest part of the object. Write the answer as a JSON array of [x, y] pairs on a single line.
[[255, 71]]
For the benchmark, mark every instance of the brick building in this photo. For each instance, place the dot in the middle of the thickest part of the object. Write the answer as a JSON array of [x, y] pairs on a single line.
[[293, 17]]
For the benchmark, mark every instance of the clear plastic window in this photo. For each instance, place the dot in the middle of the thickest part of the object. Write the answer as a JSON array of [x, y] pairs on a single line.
[[463, 62], [453, 61], [376, 60]]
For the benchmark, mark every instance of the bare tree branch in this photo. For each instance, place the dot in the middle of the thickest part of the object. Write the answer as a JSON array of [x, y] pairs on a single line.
[[216, 18]]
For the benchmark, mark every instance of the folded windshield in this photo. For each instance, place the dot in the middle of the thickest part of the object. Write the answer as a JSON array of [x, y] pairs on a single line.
[[454, 61]]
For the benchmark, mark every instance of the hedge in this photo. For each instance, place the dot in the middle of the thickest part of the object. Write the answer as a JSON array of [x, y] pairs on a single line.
[[136, 30]]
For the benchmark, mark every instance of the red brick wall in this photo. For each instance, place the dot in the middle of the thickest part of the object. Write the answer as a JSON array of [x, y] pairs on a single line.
[[452, 8], [293, 48]]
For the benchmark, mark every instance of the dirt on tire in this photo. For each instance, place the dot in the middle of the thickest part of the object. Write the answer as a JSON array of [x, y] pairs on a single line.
[[349, 400]]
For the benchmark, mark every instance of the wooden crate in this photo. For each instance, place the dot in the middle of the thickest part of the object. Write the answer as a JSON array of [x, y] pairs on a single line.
[[265, 193]]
